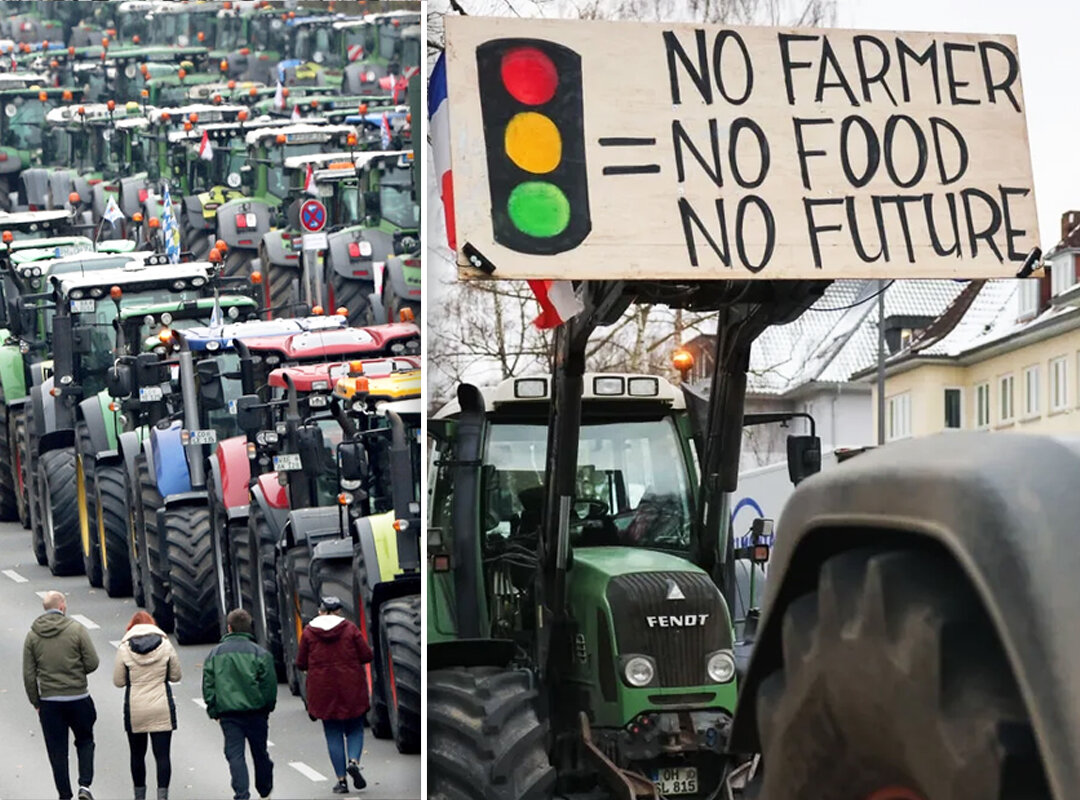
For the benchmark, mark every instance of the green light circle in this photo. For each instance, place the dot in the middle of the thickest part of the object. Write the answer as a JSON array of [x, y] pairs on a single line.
[[539, 209]]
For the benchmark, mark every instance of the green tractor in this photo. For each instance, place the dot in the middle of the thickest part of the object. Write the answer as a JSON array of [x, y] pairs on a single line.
[[387, 49]]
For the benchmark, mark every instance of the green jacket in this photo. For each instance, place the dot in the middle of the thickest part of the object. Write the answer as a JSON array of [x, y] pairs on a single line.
[[238, 677], [57, 657]]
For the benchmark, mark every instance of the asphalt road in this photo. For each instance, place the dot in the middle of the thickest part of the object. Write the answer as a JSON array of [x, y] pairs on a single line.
[[301, 766]]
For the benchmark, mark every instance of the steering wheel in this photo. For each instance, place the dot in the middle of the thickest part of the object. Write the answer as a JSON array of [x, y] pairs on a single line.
[[596, 509]]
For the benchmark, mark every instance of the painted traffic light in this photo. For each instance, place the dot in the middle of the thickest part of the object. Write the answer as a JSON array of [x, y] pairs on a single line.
[[531, 99]]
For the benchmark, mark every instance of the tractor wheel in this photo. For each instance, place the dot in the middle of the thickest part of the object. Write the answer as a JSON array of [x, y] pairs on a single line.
[[485, 741], [353, 295], [225, 601], [9, 503], [60, 513], [110, 501], [283, 288], [17, 447], [133, 517], [399, 661], [394, 305], [192, 578], [238, 262], [198, 242], [264, 605], [378, 717], [332, 577], [893, 684], [33, 501], [154, 569], [241, 567], [84, 480], [299, 605]]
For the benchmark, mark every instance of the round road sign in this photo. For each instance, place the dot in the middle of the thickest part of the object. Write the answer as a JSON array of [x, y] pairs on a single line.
[[312, 216]]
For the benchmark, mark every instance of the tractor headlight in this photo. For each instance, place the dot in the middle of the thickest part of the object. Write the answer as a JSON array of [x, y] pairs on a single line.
[[76, 294], [35, 283], [149, 320], [179, 286], [198, 281], [213, 345], [233, 312], [166, 319], [97, 292], [639, 671], [721, 667]]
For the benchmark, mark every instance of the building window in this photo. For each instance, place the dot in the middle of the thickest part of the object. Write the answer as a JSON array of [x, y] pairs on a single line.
[[1032, 406], [954, 403], [1006, 404], [1029, 298], [899, 419], [982, 405], [1059, 384], [1062, 272]]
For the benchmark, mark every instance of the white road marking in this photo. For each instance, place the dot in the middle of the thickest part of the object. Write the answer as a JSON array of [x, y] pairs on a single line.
[[86, 622], [41, 594], [199, 702], [115, 642], [307, 771], [269, 743], [15, 576]]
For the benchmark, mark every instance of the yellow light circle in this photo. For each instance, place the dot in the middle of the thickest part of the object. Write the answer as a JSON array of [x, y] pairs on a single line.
[[533, 142]]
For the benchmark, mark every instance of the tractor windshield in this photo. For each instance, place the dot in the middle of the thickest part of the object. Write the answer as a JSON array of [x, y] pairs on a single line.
[[25, 124], [397, 205], [632, 484]]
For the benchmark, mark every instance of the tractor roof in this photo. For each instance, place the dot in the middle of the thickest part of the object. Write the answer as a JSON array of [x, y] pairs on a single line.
[[23, 80], [300, 132], [207, 112], [357, 160], [347, 342], [308, 377], [73, 257], [198, 338], [225, 130], [395, 386], [197, 307], [193, 274], [598, 387], [406, 17], [32, 220]]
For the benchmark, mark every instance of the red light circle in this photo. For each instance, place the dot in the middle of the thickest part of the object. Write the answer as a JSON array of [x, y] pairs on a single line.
[[529, 75]]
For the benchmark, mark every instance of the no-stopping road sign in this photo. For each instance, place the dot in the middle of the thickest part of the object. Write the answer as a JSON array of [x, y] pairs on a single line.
[[312, 216]]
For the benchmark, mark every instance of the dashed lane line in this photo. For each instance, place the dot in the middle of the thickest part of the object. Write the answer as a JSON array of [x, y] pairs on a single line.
[[199, 702], [307, 771], [15, 576], [115, 642], [86, 622]]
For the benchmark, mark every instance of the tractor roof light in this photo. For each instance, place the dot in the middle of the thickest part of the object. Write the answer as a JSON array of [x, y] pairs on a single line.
[[135, 39], [43, 95], [188, 126], [317, 311], [221, 246], [181, 73], [231, 85], [242, 115], [165, 335], [683, 360], [193, 117], [350, 140], [214, 256], [74, 198], [341, 311], [116, 292], [137, 217], [154, 222], [406, 315], [111, 105], [280, 138], [82, 111], [8, 237], [256, 277], [67, 96], [223, 65]]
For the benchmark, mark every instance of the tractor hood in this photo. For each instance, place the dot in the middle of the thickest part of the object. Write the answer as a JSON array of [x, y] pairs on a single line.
[[615, 561]]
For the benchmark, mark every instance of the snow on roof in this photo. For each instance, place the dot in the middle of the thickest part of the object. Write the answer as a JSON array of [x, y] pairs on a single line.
[[837, 336], [991, 316]]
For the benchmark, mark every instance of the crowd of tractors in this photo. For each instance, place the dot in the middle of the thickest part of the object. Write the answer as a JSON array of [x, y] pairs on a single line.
[[207, 399]]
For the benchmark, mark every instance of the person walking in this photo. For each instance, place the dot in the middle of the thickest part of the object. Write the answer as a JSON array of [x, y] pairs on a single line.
[[57, 657], [145, 663], [333, 652], [240, 691]]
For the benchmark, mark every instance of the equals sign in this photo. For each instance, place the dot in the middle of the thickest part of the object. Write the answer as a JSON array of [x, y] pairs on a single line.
[[629, 141]]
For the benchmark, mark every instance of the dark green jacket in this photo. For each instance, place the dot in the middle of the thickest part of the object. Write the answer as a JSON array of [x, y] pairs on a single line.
[[238, 677], [57, 656]]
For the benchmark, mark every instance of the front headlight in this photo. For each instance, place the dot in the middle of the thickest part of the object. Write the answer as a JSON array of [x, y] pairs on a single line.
[[721, 667], [639, 671]]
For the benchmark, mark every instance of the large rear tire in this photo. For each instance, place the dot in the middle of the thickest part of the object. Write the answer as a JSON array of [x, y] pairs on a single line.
[[399, 662], [191, 574], [394, 304], [224, 597], [484, 739], [154, 567], [353, 295], [378, 717], [136, 541], [238, 263], [110, 501], [283, 286], [265, 611], [60, 513], [298, 606], [9, 503], [84, 481], [893, 684], [33, 499], [17, 443]]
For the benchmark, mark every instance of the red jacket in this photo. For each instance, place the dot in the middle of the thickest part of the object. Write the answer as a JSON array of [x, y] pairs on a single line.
[[333, 652]]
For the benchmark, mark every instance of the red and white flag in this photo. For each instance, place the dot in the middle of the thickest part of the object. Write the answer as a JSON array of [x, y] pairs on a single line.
[[296, 113], [279, 97], [206, 150], [309, 181], [558, 302]]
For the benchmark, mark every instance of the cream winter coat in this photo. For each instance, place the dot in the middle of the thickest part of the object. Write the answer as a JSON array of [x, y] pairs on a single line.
[[145, 663]]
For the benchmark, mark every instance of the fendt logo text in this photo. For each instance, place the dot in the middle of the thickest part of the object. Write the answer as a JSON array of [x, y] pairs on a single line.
[[677, 620]]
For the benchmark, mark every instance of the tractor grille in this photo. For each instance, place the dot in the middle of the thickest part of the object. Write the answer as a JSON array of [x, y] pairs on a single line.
[[679, 651]]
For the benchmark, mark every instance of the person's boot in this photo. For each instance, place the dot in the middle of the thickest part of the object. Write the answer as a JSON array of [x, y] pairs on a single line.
[[341, 787], [354, 771], [140, 793], [163, 793]]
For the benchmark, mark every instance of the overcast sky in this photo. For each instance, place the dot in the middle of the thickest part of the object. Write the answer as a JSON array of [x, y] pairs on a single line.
[[1046, 31]]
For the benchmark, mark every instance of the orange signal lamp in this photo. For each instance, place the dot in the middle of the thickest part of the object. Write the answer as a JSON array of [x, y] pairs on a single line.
[[154, 222], [406, 315], [74, 198], [82, 111], [401, 525], [67, 96], [193, 117], [214, 256], [200, 36], [102, 55], [317, 311], [223, 65], [145, 93], [111, 31], [292, 15], [111, 105], [408, 117], [350, 140], [396, 22], [280, 138], [221, 246], [231, 85], [135, 39], [166, 116], [245, 51], [71, 51], [188, 126], [165, 335], [114, 406], [344, 499], [43, 96], [256, 277], [137, 217], [8, 237], [54, 64], [217, 99], [683, 360], [252, 91], [242, 115], [314, 103], [362, 108], [105, 42], [116, 293], [285, 91], [181, 73], [45, 46], [341, 311]]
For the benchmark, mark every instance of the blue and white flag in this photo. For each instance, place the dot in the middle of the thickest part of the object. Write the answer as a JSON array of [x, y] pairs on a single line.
[[217, 319], [170, 231], [112, 214], [384, 131]]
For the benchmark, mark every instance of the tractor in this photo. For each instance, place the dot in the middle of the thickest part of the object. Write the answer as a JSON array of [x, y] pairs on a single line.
[[389, 53]]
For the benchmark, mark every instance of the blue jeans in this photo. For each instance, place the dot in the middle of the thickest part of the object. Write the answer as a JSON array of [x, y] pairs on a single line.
[[340, 732]]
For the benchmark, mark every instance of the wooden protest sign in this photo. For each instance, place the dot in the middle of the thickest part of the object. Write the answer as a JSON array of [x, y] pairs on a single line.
[[612, 150]]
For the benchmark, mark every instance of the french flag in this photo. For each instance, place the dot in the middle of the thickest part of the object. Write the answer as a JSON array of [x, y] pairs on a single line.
[[439, 118], [558, 302]]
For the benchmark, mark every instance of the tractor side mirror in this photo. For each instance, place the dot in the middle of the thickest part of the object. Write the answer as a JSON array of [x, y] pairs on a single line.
[[149, 371], [353, 461], [372, 205], [211, 392], [312, 448], [80, 339], [803, 457], [249, 415], [118, 380]]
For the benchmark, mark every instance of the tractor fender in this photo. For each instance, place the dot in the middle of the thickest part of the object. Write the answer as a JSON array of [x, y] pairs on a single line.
[[35, 183], [98, 425], [388, 590], [99, 199], [80, 185], [171, 501], [130, 196], [12, 374], [276, 253], [56, 440], [129, 445], [276, 515], [249, 238], [61, 184], [231, 472], [193, 213], [332, 549], [1004, 508], [169, 461], [46, 421], [396, 276], [337, 253], [312, 525], [378, 545]]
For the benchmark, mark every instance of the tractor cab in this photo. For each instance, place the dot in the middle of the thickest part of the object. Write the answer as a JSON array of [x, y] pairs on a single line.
[[389, 53]]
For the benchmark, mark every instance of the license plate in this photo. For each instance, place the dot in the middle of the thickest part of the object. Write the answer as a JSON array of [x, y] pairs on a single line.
[[318, 401], [148, 394], [676, 780], [290, 462], [198, 437], [83, 306]]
